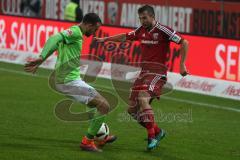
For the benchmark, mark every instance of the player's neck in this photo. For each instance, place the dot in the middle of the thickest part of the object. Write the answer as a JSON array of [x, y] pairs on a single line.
[[151, 27], [82, 28], [154, 23]]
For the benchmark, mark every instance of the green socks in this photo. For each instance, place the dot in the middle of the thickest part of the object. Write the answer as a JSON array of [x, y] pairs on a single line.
[[95, 125]]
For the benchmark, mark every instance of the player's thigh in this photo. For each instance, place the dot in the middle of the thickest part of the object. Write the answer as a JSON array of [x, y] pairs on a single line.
[[78, 90], [156, 90], [144, 98], [154, 83]]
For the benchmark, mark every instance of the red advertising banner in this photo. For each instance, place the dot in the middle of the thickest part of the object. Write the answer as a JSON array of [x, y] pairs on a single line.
[[186, 16], [202, 17], [208, 57]]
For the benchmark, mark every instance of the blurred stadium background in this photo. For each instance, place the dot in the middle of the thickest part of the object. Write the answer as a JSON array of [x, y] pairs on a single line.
[[200, 112]]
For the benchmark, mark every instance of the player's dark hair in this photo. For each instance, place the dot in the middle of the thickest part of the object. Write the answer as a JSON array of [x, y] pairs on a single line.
[[147, 8], [91, 18]]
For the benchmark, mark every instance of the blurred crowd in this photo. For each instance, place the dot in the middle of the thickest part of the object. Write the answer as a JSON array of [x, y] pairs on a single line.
[[32, 8], [220, 18]]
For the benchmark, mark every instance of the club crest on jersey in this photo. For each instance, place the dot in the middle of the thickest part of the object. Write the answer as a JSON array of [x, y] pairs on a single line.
[[155, 36], [143, 35], [68, 32], [131, 33]]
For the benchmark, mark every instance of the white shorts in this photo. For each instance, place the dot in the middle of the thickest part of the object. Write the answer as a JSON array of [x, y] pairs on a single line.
[[78, 90]]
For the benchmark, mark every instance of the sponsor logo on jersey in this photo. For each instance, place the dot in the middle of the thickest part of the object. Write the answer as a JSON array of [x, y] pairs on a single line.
[[149, 42]]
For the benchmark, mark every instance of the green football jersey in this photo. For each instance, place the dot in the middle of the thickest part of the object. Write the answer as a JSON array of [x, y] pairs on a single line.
[[67, 67]]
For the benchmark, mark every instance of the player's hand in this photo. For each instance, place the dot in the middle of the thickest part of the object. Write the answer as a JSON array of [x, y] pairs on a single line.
[[32, 66], [183, 70], [99, 40]]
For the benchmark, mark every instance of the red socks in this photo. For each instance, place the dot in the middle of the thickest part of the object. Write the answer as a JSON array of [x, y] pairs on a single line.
[[146, 119], [156, 128]]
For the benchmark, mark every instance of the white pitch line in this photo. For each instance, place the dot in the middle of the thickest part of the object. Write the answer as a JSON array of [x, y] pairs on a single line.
[[164, 97], [201, 104], [22, 73]]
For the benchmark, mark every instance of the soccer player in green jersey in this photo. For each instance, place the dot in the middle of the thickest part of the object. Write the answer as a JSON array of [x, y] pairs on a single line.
[[67, 74]]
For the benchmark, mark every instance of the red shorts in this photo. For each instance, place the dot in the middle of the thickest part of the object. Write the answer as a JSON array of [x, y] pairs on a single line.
[[152, 83]]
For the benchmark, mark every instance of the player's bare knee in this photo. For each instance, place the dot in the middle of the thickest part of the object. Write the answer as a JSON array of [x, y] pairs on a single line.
[[100, 103], [143, 99], [103, 106], [131, 110]]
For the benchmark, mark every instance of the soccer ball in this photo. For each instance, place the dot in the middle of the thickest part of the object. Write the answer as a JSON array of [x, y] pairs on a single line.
[[103, 132]]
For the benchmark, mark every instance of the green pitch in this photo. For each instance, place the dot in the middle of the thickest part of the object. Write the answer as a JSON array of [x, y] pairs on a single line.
[[198, 127]]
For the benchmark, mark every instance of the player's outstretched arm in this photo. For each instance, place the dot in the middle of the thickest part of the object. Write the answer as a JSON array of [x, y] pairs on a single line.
[[115, 38], [48, 49], [183, 52], [51, 45]]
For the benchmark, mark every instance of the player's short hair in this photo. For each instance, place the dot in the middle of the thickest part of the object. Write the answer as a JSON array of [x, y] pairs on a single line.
[[147, 8], [91, 18]]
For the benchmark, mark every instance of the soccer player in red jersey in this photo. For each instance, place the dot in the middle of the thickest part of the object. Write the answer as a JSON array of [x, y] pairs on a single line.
[[155, 41]]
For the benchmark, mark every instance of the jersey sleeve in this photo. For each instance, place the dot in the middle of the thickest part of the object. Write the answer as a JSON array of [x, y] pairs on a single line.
[[171, 34], [71, 35], [133, 35]]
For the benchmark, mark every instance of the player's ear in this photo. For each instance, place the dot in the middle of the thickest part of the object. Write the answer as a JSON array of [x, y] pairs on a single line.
[[89, 25], [99, 24]]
